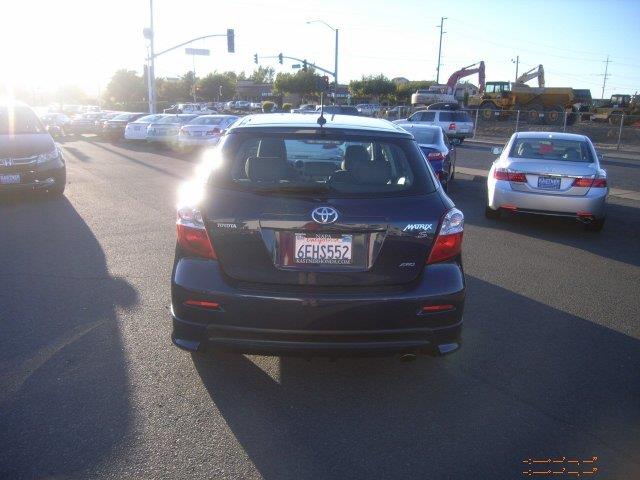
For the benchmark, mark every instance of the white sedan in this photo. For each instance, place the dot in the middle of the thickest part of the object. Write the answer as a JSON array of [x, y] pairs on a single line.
[[138, 130], [546, 173], [204, 130]]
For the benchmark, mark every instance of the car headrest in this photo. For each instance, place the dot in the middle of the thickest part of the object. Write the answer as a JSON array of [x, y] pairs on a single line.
[[272, 147], [266, 169], [571, 154], [353, 155], [372, 173]]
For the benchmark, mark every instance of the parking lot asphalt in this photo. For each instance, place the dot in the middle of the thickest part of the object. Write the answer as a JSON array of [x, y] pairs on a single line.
[[91, 387]]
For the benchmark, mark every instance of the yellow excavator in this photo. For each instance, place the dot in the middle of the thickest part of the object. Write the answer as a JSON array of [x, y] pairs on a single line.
[[539, 104]]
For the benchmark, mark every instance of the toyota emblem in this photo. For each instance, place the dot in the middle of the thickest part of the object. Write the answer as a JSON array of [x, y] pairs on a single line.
[[324, 215]]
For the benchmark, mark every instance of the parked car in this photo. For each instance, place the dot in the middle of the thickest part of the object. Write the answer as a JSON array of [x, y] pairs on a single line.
[[242, 105], [114, 128], [306, 108], [368, 109], [205, 130], [548, 173], [339, 110], [437, 149], [256, 106], [165, 130], [457, 124], [56, 123], [397, 112], [101, 123], [29, 158], [137, 130], [84, 123], [282, 256]]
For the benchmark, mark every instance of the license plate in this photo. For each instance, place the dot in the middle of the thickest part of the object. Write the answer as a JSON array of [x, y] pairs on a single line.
[[6, 179], [323, 249], [549, 183]]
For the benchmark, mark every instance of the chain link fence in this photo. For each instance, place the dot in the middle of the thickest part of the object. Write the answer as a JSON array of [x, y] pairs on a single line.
[[617, 132]]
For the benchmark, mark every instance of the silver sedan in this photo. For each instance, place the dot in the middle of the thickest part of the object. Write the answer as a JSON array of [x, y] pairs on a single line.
[[548, 173]]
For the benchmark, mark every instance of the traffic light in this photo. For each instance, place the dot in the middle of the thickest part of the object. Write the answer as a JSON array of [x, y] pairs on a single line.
[[322, 84], [231, 40], [280, 58], [304, 65], [255, 58]]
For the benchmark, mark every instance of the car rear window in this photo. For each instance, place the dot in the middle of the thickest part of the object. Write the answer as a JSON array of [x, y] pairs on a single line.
[[335, 164], [19, 120], [426, 135], [455, 117], [206, 121], [552, 149]]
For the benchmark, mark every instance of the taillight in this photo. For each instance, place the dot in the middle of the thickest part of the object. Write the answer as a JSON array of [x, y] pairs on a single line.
[[448, 243], [183, 131], [433, 156], [590, 182], [504, 174], [192, 234], [452, 126]]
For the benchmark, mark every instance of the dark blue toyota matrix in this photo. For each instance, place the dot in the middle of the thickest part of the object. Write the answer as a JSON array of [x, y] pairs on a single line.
[[302, 237]]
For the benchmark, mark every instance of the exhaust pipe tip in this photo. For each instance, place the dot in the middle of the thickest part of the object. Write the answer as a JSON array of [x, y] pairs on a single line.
[[445, 348]]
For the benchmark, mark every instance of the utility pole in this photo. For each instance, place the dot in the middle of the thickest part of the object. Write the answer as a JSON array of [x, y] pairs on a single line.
[[442, 19], [151, 66], [517, 62], [604, 80]]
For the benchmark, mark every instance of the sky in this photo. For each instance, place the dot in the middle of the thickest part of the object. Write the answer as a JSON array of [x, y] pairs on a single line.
[[45, 43]]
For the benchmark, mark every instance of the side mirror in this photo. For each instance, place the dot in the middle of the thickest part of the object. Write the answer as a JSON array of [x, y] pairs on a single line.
[[497, 150]]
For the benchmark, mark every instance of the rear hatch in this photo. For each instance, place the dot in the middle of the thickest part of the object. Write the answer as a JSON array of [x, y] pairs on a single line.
[[343, 210], [456, 122]]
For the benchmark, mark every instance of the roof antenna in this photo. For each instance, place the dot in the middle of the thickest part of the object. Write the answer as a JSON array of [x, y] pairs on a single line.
[[321, 120]]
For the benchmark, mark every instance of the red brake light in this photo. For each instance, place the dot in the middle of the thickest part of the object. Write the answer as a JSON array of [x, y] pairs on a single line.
[[435, 156], [504, 174], [448, 243], [452, 126], [437, 308], [599, 183], [590, 182], [192, 234]]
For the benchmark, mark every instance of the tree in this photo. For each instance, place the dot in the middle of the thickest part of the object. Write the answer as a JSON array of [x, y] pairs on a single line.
[[303, 82], [263, 75], [209, 86], [126, 86], [377, 86]]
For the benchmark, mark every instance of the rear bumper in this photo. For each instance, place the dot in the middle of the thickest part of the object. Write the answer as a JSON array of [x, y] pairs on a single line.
[[459, 134], [500, 195], [299, 321], [198, 142], [162, 139]]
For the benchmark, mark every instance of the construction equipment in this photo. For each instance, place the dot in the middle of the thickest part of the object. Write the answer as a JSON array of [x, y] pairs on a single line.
[[536, 72], [445, 93], [619, 105], [535, 104]]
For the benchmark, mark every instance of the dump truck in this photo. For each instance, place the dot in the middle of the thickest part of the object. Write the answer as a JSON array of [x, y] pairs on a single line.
[[618, 105], [536, 104]]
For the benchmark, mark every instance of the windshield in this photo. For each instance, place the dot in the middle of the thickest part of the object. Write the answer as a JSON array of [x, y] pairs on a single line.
[[336, 165], [19, 120], [206, 121], [552, 149]]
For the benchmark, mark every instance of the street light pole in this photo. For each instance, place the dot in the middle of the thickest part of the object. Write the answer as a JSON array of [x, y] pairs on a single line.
[[335, 68]]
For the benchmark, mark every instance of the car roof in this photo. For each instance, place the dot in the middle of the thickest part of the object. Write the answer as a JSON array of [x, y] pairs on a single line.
[[214, 115], [295, 120], [554, 135]]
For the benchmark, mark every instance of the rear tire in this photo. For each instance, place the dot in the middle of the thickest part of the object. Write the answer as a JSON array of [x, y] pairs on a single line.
[[554, 116], [533, 113], [491, 214], [488, 111], [596, 225]]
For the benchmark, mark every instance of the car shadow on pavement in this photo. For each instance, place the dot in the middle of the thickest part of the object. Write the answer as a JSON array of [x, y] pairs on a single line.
[[530, 381], [64, 391], [618, 240], [77, 153]]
